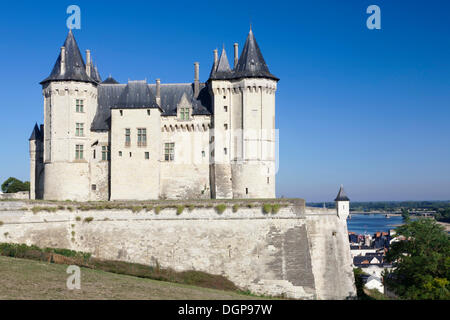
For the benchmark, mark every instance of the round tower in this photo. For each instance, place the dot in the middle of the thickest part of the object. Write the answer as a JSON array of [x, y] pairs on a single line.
[[252, 115], [70, 99]]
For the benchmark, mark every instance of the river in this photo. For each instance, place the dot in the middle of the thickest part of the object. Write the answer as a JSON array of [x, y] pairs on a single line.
[[371, 223]]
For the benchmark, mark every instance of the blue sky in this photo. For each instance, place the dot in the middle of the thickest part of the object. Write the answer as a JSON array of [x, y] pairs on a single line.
[[369, 109]]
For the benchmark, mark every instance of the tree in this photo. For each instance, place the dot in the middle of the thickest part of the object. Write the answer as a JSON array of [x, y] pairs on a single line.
[[421, 261], [12, 185], [405, 214]]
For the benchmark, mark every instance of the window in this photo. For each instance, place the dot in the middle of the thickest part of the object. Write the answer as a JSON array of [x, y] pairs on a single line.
[[246, 190], [120, 153], [225, 126], [169, 151], [203, 154], [93, 154], [184, 113], [94, 187], [130, 154], [79, 105], [224, 97], [142, 137], [127, 137], [268, 181], [224, 150], [79, 152], [225, 108], [148, 112], [147, 155], [121, 112], [79, 129], [105, 153]]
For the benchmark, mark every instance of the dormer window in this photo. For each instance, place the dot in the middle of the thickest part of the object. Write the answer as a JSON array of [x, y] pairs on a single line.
[[184, 113]]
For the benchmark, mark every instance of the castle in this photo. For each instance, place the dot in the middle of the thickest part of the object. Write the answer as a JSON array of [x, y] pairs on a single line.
[[103, 140]]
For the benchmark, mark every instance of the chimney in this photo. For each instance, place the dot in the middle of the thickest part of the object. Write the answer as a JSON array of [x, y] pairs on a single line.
[[158, 92], [63, 60], [216, 58], [196, 80], [236, 55], [88, 62]]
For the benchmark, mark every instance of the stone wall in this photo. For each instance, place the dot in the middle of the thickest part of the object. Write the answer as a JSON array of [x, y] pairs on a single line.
[[291, 253], [21, 195]]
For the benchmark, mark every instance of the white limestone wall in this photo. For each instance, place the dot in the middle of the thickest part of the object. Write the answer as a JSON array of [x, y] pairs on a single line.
[[285, 253], [187, 177], [332, 264], [132, 176]]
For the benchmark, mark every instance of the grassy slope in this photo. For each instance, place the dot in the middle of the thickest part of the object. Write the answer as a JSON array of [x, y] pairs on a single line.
[[27, 279]]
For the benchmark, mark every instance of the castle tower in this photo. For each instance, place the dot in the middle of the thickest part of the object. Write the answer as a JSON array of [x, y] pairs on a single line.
[[342, 204], [244, 121], [36, 165], [70, 102]]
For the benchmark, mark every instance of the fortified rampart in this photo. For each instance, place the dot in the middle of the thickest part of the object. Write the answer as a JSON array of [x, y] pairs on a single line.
[[297, 252]]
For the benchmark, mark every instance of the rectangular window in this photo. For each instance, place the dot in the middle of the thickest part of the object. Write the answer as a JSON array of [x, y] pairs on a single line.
[[120, 153], [79, 129], [79, 152], [142, 137], [225, 108], [246, 190], [104, 153], [184, 113], [94, 187], [79, 105], [169, 151], [203, 154], [148, 112], [93, 154], [147, 155], [225, 126], [225, 151], [268, 181], [127, 137]]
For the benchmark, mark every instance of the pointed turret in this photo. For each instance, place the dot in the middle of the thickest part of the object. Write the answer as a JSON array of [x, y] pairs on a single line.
[[35, 134], [94, 74], [251, 63], [341, 195], [222, 70], [70, 65], [110, 80]]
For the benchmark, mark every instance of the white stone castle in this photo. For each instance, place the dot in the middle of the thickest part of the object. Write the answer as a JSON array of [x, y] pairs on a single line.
[[138, 141]]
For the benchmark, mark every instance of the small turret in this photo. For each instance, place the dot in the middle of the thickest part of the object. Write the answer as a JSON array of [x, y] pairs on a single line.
[[342, 204]]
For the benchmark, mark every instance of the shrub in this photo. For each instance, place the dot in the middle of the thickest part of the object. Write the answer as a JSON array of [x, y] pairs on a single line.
[[191, 207], [1, 223], [220, 208], [73, 233], [148, 208], [136, 209], [180, 209], [70, 208], [157, 209], [61, 207], [88, 219], [267, 208], [235, 207], [275, 208]]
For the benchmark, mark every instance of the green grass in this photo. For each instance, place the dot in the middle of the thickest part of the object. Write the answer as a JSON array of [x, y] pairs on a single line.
[[25, 279]]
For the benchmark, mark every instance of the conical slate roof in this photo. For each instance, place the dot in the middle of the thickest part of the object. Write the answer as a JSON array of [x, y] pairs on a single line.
[[251, 63], [222, 71], [110, 80], [35, 134], [75, 67], [341, 195], [94, 74]]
